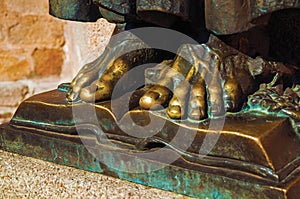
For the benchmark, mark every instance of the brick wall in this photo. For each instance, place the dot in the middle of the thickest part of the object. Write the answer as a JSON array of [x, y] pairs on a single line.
[[38, 51]]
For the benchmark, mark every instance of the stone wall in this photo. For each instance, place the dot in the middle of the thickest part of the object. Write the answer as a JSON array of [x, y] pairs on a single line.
[[38, 51]]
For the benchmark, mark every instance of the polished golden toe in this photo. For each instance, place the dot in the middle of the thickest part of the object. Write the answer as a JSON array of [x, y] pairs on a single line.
[[175, 112], [156, 97]]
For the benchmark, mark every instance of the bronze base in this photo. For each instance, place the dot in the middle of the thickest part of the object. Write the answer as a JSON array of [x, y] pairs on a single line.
[[254, 156]]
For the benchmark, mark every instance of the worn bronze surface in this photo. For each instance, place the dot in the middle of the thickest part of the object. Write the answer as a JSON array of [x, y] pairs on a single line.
[[96, 80], [204, 80], [79, 10], [221, 16], [228, 17], [209, 78], [257, 154], [193, 180], [273, 100], [163, 12], [245, 151]]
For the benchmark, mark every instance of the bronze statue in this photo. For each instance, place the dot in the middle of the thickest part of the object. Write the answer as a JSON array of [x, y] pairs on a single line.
[[242, 74], [253, 28]]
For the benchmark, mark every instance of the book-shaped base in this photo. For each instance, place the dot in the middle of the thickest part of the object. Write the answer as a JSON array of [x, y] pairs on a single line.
[[243, 155]]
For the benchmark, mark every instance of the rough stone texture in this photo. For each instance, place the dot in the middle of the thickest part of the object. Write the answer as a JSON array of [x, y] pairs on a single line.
[[5, 114], [12, 93], [9, 19], [41, 51], [13, 67], [32, 29], [2, 6], [98, 35], [84, 43], [1, 33], [48, 61], [25, 25], [27, 6], [23, 177]]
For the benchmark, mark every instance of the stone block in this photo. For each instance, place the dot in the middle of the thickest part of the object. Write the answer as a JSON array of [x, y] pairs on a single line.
[[37, 30], [12, 93], [98, 35], [9, 18], [2, 36], [48, 61], [28, 6], [2, 6], [13, 67], [6, 113]]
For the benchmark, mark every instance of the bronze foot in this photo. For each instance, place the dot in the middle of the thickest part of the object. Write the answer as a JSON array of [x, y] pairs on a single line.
[[204, 80]]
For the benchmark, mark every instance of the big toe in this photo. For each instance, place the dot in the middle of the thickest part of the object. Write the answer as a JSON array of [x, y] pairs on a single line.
[[175, 112], [156, 97], [95, 92]]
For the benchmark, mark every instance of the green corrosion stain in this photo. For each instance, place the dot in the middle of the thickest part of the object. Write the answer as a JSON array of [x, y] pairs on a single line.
[[66, 9], [71, 10], [164, 133], [107, 125], [66, 161], [53, 151], [216, 194]]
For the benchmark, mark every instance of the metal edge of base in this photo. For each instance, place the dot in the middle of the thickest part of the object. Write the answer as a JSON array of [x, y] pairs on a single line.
[[171, 178]]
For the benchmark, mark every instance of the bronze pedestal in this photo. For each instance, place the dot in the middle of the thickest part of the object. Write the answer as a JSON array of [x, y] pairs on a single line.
[[253, 157]]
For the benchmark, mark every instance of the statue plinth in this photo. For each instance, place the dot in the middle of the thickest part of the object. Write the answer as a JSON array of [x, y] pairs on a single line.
[[253, 157]]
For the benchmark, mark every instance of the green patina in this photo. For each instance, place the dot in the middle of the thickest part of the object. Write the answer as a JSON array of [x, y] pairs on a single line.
[[64, 9], [79, 10], [171, 178]]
